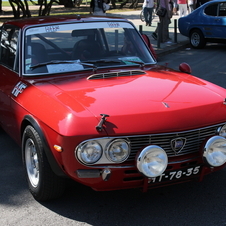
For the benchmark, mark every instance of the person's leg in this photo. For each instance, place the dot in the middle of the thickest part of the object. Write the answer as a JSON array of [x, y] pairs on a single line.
[[165, 29], [180, 10], [146, 15], [185, 10], [150, 10]]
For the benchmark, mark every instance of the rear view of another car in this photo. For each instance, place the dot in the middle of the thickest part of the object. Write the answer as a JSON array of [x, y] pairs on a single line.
[[206, 24]]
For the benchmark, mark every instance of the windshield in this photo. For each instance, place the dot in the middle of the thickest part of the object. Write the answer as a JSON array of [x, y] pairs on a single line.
[[81, 46]]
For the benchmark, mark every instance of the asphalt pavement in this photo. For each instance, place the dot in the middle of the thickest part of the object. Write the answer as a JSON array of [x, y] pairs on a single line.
[[177, 42]]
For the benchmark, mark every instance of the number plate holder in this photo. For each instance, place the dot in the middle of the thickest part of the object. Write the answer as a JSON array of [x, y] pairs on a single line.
[[176, 175]]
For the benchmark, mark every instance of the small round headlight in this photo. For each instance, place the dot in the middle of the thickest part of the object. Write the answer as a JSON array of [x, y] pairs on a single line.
[[89, 152], [152, 161], [222, 131], [118, 150], [215, 151]]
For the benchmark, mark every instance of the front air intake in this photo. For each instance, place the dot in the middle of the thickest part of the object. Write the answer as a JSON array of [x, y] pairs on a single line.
[[116, 74]]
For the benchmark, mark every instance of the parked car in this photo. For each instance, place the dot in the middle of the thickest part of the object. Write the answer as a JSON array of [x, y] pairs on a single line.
[[85, 99], [205, 24]]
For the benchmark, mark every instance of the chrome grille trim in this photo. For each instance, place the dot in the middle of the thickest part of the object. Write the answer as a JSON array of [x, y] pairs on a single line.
[[193, 144], [116, 74]]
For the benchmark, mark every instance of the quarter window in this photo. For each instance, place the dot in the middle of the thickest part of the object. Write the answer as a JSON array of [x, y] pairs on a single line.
[[8, 49]]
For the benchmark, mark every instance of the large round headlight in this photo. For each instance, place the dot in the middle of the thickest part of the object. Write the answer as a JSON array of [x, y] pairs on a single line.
[[222, 131], [118, 150], [89, 152], [152, 161], [215, 151]]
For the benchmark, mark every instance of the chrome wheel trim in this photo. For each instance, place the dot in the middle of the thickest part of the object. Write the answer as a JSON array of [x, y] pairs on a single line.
[[31, 161], [195, 39]]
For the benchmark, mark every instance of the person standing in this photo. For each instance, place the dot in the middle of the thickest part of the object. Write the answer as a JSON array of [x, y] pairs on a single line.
[[163, 28], [97, 8], [183, 8], [148, 9], [191, 5]]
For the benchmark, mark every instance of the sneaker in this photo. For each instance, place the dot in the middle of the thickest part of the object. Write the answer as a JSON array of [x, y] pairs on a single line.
[[154, 36]]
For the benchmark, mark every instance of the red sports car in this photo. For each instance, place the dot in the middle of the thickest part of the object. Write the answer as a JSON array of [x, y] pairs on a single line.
[[85, 99]]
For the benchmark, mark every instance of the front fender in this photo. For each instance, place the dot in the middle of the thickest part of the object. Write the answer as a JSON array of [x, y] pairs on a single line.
[[29, 120]]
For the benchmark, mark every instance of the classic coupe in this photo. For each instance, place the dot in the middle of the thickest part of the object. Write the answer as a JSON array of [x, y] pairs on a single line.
[[86, 100], [205, 24]]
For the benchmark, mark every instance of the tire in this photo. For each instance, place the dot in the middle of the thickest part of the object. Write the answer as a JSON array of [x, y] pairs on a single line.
[[43, 184], [142, 16], [197, 39]]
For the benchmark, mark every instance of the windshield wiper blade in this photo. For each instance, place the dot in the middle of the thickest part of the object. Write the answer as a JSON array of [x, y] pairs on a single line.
[[63, 62], [103, 61]]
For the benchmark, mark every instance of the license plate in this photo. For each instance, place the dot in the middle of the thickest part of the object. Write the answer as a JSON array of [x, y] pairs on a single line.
[[176, 175]]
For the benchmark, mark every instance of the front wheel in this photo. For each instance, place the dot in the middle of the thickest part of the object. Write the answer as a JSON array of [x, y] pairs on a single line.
[[197, 39], [142, 16], [43, 183]]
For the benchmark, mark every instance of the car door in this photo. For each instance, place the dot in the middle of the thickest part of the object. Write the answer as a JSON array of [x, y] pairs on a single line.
[[215, 16], [9, 74]]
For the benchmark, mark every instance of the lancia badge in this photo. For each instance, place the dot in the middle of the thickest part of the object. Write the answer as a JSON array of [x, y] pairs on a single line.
[[177, 144]]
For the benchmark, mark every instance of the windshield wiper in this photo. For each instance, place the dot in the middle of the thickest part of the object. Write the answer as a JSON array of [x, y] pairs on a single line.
[[137, 62], [63, 62], [103, 61]]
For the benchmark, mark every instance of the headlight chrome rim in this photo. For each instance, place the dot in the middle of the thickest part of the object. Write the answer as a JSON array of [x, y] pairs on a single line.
[[151, 169], [222, 131], [89, 152], [214, 152], [110, 156]]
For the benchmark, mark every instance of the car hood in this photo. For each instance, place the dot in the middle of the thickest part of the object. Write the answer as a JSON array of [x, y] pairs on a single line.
[[157, 101]]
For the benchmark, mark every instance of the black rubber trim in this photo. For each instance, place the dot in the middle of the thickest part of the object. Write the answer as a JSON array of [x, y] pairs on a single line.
[[53, 163]]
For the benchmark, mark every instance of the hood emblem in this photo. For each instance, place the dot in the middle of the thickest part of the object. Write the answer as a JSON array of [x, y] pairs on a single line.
[[178, 144]]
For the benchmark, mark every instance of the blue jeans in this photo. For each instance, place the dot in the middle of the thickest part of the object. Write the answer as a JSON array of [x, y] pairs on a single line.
[[148, 15]]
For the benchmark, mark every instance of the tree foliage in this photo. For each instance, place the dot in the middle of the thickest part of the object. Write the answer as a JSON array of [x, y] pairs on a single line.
[[21, 9]]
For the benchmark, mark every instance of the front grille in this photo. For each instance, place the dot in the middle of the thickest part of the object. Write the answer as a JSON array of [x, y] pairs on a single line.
[[194, 139]]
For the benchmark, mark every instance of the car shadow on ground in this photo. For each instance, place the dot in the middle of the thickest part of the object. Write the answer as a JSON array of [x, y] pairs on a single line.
[[183, 204]]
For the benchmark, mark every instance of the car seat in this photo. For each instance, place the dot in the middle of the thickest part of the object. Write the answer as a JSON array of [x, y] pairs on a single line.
[[86, 50], [39, 53]]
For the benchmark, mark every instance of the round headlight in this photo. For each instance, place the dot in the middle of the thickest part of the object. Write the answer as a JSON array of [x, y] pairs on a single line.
[[89, 152], [118, 150], [222, 131], [215, 151], [152, 161]]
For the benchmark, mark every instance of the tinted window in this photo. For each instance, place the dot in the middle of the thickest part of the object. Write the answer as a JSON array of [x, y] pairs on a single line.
[[211, 10]]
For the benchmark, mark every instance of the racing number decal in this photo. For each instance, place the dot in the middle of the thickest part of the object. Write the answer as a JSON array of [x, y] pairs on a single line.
[[18, 88]]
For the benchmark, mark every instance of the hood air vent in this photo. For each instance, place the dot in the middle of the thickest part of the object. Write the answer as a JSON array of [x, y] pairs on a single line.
[[116, 74]]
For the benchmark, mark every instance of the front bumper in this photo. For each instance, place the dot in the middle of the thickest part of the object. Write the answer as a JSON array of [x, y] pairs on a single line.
[[126, 177]]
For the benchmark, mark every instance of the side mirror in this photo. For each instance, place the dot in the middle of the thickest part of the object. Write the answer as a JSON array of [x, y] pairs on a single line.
[[184, 67], [147, 41]]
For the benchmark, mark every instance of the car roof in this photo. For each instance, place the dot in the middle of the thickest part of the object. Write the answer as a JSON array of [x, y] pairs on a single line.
[[214, 1], [25, 22]]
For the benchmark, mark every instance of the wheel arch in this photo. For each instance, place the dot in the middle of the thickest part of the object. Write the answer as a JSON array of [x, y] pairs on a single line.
[[29, 120], [194, 28]]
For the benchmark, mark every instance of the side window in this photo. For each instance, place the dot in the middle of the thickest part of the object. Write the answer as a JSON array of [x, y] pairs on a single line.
[[9, 46], [222, 10], [211, 10]]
